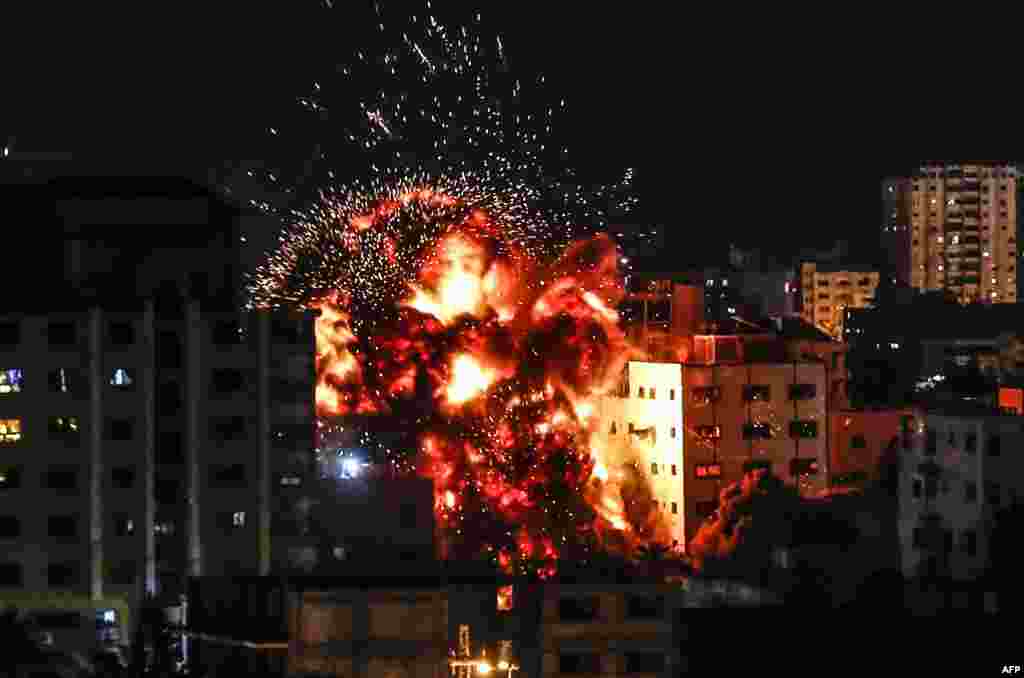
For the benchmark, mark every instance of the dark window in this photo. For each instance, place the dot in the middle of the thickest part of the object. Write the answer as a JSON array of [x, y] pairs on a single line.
[[67, 380], [123, 477], [292, 436], [123, 573], [168, 348], [407, 518], [931, 442], [672, 432], [969, 543], [10, 575], [120, 429], [675, 470], [10, 527], [61, 478], [645, 607], [931, 488], [803, 429], [654, 469], [706, 394], [993, 494], [62, 526], [62, 575], [706, 508], [290, 330], [572, 663], [994, 447], [858, 442], [755, 392], [970, 443], [10, 477], [708, 470], [227, 333], [224, 429], [226, 381], [970, 492], [917, 488], [642, 393], [756, 431], [645, 662], [612, 431], [167, 490], [168, 398], [578, 609], [10, 334], [289, 390], [671, 394], [802, 391], [803, 467], [61, 334], [227, 475], [170, 448], [122, 334]]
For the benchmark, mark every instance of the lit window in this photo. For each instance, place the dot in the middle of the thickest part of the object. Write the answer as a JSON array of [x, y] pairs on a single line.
[[64, 425], [10, 430], [164, 528], [238, 519], [10, 381], [290, 481], [122, 378], [506, 599]]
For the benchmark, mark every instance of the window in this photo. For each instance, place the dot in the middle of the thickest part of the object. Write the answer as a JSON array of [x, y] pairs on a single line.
[[654, 393], [11, 381], [970, 443], [10, 575], [578, 609], [672, 432], [702, 395], [289, 480], [290, 331], [802, 391], [167, 490], [164, 528], [123, 573], [858, 442], [803, 429], [62, 575], [994, 446], [168, 399], [407, 518], [642, 392], [951, 440], [756, 430], [709, 432], [631, 427], [227, 475], [64, 427], [168, 348], [756, 393], [123, 379], [917, 488], [61, 334], [224, 429], [708, 470], [671, 394], [803, 467], [10, 334], [238, 519], [123, 477], [969, 542], [506, 598], [62, 526], [579, 662], [645, 662], [675, 469], [124, 526], [675, 508], [654, 469], [706, 508], [931, 443], [170, 448], [61, 478], [120, 429], [121, 334], [613, 430], [10, 527], [226, 382], [10, 477], [66, 380], [228, 333], [10, 431], [645, 607], [993, 494]]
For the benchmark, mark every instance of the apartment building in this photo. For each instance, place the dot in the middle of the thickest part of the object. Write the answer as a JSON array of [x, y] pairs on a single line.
[[828, 290], [963, 230], [960, 467], [147, 443]]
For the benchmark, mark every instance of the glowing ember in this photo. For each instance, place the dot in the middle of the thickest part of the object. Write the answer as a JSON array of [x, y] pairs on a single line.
[[468, 380]]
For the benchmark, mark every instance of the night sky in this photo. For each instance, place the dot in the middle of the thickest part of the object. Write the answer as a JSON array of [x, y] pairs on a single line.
[[753, 132]]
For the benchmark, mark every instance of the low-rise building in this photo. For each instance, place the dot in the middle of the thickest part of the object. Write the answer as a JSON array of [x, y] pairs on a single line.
[[829, 290]]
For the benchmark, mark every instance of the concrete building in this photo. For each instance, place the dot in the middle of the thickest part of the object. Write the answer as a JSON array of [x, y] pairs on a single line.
[[959, 468], [827, 291], [859, 442], [963, 230], [141, 445]]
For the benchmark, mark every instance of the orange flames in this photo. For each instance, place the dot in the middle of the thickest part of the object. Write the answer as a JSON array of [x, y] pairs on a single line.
[[515, 357]]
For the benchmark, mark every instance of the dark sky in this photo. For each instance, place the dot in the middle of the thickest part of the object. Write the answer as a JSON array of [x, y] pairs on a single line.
[[758, 131]]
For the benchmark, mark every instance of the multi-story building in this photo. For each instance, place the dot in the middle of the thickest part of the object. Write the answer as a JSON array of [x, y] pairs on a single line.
[[959, 468], [895, 222], [963, 230], [829, 290], [142, 445]]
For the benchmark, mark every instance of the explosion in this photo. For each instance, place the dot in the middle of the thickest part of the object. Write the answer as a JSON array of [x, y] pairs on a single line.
[[458, 308]]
